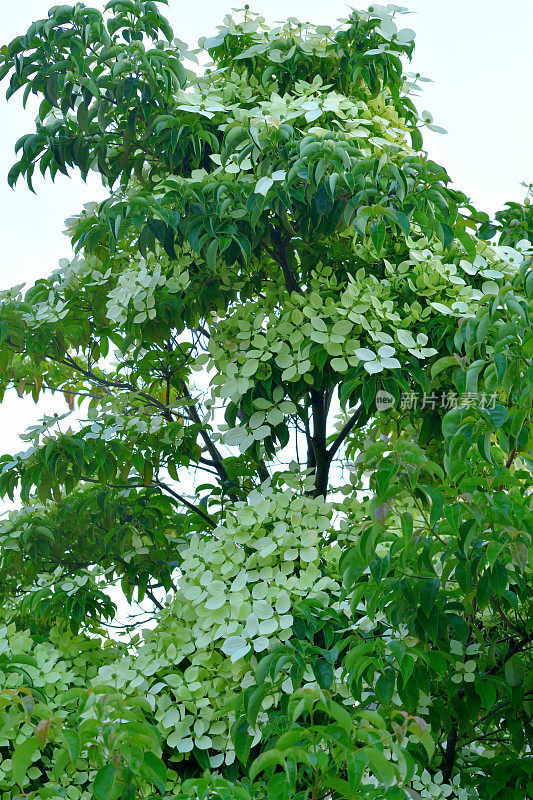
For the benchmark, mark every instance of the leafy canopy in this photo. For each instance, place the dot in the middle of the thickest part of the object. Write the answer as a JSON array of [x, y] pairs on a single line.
[[299, 389]]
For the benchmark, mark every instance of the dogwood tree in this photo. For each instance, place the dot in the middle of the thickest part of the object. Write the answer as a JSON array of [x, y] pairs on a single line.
[[298, 391]]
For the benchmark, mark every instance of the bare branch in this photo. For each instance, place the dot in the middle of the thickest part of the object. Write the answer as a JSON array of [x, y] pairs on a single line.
[[154, 599]]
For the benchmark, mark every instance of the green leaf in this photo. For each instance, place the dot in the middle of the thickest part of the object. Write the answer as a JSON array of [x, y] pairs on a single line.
[[515, 306], [278, 788], [459, 626], [445, 234], [472, 375], [89, 84], [14, 174], [517, 420], [211, 255], [407, 526], [409, 690], [235, 136], [497, 415], [417, 140], [427, 741], [484, 589], [381, 767], [379, 567], [385, 686], [355, 764], [369, 391], [437, 504], [104, 782], [340, 715], [242, 740], [484, 447], [514, 671], [451, 421], [428, 594], [498, 578], [267, 759], [486, 691], [158, 228], [529, 284], [500, 361], [291, 738], [21, 759], [403, 221], [363, 215], [83, 117], [73, 744], [468, 243], [323, 672], [377, 234], [387, 470], [255, 702], [155, 770], [441, 364]]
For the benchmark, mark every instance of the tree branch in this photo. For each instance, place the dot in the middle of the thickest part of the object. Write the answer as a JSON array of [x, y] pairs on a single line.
[[213, 452], [165, 488], [186, 503], [344, 432], [321, 456], [515, 648], [154, 599], [508, 463], [280, 256], [71, 362], [497, 708], [450, 752], [311, 463], [262, 470]]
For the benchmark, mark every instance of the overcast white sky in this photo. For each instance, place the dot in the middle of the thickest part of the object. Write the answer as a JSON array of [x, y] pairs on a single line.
[[477, 53]]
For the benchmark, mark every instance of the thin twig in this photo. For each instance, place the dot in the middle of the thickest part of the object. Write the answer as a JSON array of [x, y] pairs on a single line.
[[186, 503]]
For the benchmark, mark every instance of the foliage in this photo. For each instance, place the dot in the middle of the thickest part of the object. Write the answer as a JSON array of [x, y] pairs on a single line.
[[299, 389], [515, 221]]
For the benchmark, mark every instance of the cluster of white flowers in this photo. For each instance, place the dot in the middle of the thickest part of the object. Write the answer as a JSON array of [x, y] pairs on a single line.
[[234, 601], [465, 666], [108, 428], [433, 787], [53, 309], [368, 327], [255, 335], [72, 271], [89, 210], [137, 286], [376, 120]]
